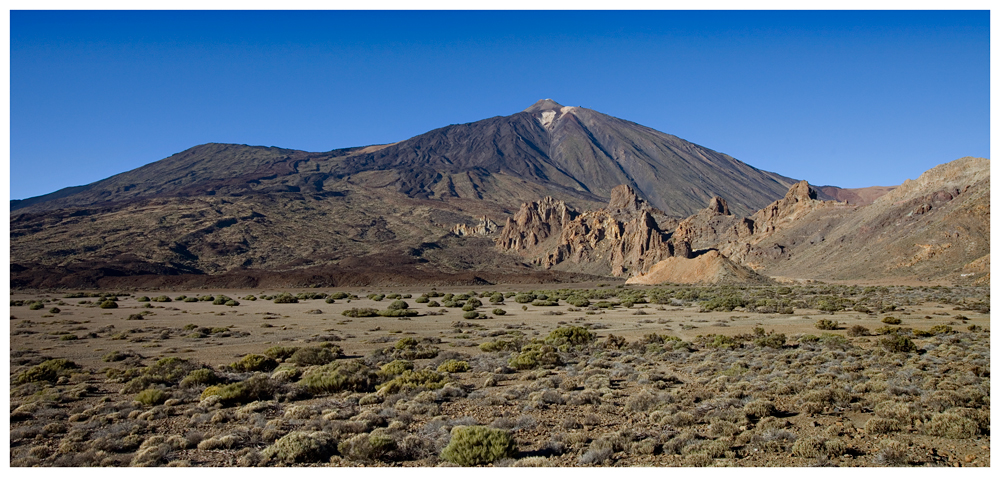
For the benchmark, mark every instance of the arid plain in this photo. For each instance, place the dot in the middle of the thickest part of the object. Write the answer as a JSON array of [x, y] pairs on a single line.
[[597, 374]]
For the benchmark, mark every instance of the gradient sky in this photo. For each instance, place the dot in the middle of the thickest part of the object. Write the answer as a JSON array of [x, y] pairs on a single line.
[[845, 98]]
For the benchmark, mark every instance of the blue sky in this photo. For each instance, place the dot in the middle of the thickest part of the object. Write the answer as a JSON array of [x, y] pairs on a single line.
[[845, 98]]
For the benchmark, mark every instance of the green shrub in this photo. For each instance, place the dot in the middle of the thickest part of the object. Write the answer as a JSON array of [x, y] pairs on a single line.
[[49, 371], [478, 445], [141, 299], [280, 353], [221, 300], [524, 297], [408, 380], [399, 305], [726, 303], [285, 298], [723, 342], [254, 362], [394, 368], [570, 335], [896, 343], [198, 377], [499, 312], [406, 343], [232, 303], [499, 345], [360, 312], [816, 446], [891, 320], [315, 356], [759, 408], [301, 447], [535, 355], [166, 371], [470, 315], [771, 340], [39, 305], [151, 397], [190, 299], [422, 299], [339, 376], [879, 425], [940, 330], [258, 388], [55, 310], [398, 312], [826, 324], [578, 301], [108, 304], [162, 299], [453, 366], [496, 298], [339, 295], [376, 297], [544, 303]]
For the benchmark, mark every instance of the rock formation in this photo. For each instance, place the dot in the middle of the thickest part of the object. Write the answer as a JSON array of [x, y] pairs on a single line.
[[622, 239], [707, 268], [485, 227]]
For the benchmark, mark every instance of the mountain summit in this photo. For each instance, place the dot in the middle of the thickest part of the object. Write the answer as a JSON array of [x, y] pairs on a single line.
[[543, 105]]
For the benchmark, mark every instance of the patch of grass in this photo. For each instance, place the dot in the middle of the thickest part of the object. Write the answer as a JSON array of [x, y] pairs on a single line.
[[409, 380], [151, 397], [453, 366]]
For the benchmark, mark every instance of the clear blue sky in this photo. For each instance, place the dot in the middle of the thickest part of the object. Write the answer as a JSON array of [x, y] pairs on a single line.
[[844, 98]]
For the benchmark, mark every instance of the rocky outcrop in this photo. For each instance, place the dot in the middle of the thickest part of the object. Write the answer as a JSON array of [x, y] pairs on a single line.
[[622, 239], [534, 224], [485, 227]]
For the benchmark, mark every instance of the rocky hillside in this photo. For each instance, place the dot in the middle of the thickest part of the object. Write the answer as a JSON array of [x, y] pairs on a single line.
[[935, 227]]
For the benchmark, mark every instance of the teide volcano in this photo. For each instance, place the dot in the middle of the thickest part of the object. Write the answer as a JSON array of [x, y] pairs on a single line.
[[220, 210]]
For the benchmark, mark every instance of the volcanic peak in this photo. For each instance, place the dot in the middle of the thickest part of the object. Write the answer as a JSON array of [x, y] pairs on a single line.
[[544, 105]]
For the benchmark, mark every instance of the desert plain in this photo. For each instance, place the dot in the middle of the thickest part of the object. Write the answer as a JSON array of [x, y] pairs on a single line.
[[606, 374]]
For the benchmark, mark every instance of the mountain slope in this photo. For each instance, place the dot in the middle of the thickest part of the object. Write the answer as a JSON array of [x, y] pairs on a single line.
[[573, 154]]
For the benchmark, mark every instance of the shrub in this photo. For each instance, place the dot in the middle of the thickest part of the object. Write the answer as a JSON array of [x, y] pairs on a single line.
[[422, 299], [759, 409], [258, 388], [499, 312], [141, 299], [161, 299], [570, 335], [815, 446], [151, 397], [199, 377], [315, 355], [470, 315], [524, 297], [286, 298], [826, 324], [254, 362], [409, 380], [496, 298], [394, 368], [55, 310], [108, 304], [301, 447], [940, 330], [478, 445], [221, 300], [535, 355], [858, 330], [167, 371], [399, 305], [879, 425], [360, 312], [723, 342], [339, 376], [39, 305], [578, 301], [453, 366], [398, 313], [433, 304], [952, 426], [544, 303], [368, 447], [897, 344], [280, 353], [891, 320], [232, 303], [49, 371], [771, 340], [499, 345]]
